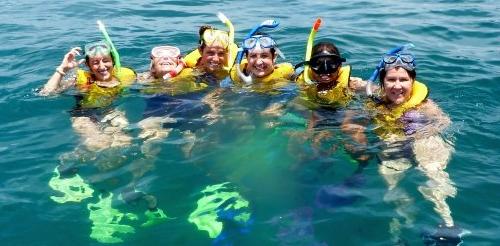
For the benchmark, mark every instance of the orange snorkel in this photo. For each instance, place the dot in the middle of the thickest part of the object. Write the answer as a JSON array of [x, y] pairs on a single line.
[[310, 43]]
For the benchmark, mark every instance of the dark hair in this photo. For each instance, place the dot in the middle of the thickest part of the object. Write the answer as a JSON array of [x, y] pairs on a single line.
[[325, 46], [200, 32], [383, 73], [273, 50]]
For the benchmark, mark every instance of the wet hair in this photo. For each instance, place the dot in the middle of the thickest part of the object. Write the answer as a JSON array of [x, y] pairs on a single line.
[[325, 46], [273, 50], [200, 32], [383, 73]]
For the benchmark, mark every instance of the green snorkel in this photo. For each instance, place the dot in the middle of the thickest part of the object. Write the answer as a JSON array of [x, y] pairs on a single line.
[[229, 25], [116, 56], [310, 43]]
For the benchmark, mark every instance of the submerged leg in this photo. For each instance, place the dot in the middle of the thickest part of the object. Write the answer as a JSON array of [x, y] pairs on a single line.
[[393, 170], [432, 155]]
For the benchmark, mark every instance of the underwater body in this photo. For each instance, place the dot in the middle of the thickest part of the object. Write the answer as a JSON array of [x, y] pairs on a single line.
[[247, 179]]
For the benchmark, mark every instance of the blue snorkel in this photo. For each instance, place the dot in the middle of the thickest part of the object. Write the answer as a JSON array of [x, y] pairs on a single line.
[[380, 65], [265, 24]]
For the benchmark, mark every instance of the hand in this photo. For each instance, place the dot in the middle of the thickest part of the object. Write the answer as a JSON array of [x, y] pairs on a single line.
[[69, 61], [412, 121], [357, 84]]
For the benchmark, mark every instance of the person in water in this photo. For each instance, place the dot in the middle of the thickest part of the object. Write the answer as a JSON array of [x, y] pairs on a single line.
[[261, 52], [93, 118], [331, 87], [211, 62], [166, 63], [261, 71], [409, 124], [173, 99], [102, 128], [215, 53], [331, 82]]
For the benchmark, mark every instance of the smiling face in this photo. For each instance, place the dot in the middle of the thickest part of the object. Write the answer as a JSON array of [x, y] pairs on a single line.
[[260, 62], [397, 86], [101, 67], [163, 65], [213, 58]]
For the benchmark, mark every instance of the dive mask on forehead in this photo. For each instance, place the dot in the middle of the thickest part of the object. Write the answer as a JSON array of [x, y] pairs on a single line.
[[405, 60], [97, 48], [263, 41], [325, 62], [213, 37], [165, 52]]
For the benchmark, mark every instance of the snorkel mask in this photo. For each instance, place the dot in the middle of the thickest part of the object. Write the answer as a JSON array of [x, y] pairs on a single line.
[[390, 60], [404, 60], [215, 37], [265, 24], [325, 62], [261, 42], [99, 48], [169, 53], [211, 37]]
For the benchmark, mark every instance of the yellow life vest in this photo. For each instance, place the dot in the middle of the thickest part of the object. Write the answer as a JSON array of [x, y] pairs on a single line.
[[338, 95], [386, 119], [185, 82], [95, 96], [282, 72], [191, 60]]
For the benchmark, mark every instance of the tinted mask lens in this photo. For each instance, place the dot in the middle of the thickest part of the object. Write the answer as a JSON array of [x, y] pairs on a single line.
[[324, 65]]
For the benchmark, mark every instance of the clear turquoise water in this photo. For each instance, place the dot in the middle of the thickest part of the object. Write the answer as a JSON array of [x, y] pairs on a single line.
[[458, 57]]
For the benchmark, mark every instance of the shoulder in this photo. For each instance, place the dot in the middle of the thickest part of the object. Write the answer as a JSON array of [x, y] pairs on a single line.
[[126, 76], [145, 77]]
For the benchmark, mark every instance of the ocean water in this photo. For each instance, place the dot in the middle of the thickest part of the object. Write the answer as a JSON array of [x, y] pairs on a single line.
[[271, 169]]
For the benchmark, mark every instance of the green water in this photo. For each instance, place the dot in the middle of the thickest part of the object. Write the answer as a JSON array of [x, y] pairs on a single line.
[[456, 45]]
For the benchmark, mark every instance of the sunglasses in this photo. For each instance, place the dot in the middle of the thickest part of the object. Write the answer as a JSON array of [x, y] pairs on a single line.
[[263, 41]]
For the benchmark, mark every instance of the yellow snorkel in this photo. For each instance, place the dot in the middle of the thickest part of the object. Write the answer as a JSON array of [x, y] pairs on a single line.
[[310, 43], [116, 56], [230, 26]]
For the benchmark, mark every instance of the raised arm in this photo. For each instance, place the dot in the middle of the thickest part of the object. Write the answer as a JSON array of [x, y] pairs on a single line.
[[54, 84]]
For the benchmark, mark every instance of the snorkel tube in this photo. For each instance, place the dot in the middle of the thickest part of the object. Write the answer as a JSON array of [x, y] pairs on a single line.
[[116, 56], [230, 26], [265, 24], [380, 65], [309, 47]]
